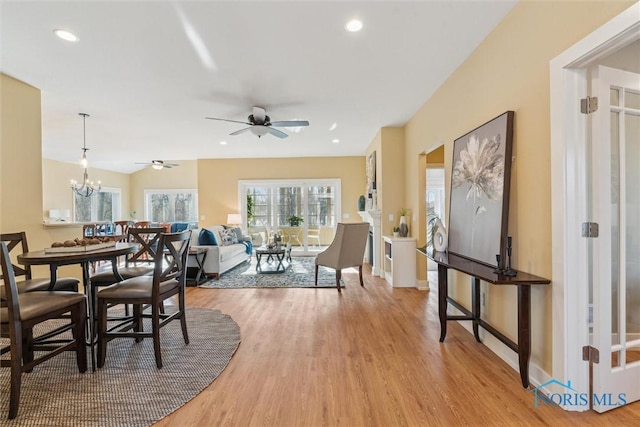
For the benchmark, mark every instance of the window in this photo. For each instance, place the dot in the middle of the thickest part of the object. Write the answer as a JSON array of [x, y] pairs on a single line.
[[102, 206], [171, 206]]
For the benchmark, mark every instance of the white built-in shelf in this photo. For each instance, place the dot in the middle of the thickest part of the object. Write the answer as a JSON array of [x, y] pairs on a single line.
[[400, 261]]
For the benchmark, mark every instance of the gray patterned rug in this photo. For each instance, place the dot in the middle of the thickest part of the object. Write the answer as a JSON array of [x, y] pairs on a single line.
[[129, 391], [300, 274]]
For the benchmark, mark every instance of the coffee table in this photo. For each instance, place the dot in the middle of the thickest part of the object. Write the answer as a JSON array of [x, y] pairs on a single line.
[[278, 259]]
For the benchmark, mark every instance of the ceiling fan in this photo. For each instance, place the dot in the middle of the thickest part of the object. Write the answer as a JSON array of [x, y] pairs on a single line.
[[260, 124], [159, 164]]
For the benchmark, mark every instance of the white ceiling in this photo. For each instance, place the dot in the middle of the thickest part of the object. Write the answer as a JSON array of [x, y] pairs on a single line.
[[148, 73]]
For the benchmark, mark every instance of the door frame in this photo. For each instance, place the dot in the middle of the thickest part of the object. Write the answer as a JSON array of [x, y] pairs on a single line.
[[568, 84]]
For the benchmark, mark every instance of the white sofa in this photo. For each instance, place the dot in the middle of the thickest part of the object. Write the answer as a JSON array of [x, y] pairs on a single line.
[[219, 258]]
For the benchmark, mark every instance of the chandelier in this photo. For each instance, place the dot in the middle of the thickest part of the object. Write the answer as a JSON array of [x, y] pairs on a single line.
[[87, 188]]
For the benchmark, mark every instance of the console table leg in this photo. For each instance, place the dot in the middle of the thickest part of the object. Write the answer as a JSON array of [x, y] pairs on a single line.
[[443, 291], [524, 332], [475, 301]]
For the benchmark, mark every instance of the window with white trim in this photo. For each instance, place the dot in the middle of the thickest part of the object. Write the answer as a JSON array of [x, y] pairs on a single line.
[[171, 205], [101, 206]]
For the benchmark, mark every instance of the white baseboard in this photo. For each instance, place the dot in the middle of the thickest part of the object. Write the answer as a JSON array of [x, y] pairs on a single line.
[[422, 285]]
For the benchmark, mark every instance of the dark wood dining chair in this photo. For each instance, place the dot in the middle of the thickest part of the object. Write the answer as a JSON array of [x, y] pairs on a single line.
[[122, 228], [17, 245], [139, 263], [168, 279], [20, 312]]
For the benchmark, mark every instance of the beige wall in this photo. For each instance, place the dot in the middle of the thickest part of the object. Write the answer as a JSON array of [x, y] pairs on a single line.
[[20, 167], [57, 194], [183, 177], [218, 181], [510, 71]]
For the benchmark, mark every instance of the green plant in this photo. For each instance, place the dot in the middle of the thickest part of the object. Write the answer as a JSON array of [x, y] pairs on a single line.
[[295, 221], [404, 211], [249, 208], [396, 229]]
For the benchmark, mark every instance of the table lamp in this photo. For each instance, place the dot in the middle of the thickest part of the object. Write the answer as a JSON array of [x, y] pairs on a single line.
[[234, 219]]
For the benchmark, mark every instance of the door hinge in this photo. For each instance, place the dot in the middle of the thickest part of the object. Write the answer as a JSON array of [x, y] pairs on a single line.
[[590, 354], [590, 229], [588, 105]]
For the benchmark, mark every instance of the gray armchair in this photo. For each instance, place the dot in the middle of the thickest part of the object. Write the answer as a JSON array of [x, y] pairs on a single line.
[[346, 250]]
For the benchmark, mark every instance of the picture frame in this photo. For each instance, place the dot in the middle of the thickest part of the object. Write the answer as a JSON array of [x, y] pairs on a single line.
[[371, 173], [479, 191]]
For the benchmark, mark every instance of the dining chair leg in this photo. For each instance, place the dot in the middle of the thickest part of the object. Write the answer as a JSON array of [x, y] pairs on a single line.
[[102, 330], [27, 347], [316, 275], [183, 317], [16, 374], [338, 277], [155, 321], [360, 271], [79, 315], [137, 320]]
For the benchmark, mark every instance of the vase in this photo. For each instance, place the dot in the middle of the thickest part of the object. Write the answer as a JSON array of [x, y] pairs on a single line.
[[440, 237], [404, 228], [361, 203]]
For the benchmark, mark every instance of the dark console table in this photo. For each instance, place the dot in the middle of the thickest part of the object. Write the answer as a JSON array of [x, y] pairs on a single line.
[[479, 271]]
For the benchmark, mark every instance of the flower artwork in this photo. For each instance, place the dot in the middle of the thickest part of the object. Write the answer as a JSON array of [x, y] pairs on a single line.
[[479, 190]]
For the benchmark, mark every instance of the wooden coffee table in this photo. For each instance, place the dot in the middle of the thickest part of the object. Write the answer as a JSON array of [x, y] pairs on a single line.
[[278, 259]]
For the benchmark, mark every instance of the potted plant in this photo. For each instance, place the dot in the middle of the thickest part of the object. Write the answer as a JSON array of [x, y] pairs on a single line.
[[396, 231], [295, 221]]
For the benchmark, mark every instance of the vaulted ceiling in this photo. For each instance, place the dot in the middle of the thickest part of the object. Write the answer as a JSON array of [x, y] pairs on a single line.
[[148, 72]]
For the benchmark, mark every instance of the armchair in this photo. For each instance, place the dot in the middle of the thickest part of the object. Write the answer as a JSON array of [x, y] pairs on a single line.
[[346, 250]]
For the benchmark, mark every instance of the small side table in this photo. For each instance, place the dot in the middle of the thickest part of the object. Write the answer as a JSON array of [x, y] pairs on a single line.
[[199, 254]]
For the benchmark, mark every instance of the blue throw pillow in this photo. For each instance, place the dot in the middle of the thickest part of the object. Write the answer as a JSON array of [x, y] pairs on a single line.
[[207, 238], [239, 235], [179, 226]]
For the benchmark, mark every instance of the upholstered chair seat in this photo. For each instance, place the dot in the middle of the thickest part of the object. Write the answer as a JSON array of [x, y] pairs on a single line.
[[137, 287]]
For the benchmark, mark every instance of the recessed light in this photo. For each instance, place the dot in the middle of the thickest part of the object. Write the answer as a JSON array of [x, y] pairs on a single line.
[[66, 35], [335, 141], [223, 142], [333, 126], [353, 25]]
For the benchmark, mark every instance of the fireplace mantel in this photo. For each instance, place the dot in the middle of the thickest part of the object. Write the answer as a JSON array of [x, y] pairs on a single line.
[[373, 217]]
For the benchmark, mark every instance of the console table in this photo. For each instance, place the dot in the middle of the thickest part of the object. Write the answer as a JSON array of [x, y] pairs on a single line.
[[479, 271]]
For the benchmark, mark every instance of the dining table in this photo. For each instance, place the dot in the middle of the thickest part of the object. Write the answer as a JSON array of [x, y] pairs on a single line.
[[83, 256]]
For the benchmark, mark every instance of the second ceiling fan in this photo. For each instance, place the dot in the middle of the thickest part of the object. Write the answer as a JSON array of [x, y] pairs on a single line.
[[260, 124]]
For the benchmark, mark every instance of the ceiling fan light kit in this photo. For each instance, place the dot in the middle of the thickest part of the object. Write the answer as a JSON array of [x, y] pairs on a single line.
[[159, 164], [260, 124]]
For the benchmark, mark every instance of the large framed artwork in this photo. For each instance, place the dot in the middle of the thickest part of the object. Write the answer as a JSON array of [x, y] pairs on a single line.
[[480, 181]]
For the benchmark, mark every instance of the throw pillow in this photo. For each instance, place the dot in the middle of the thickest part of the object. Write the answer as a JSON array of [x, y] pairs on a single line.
[[207, 238], [228, 237], [239, 235]]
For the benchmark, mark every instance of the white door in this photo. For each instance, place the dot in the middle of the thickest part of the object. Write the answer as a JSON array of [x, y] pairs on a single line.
[[616, 252]]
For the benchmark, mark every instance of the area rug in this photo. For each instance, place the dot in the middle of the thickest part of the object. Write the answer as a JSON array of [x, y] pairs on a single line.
[[129, 390], [300, 274]]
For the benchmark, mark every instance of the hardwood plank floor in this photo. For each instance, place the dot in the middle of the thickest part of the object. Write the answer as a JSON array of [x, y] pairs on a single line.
[[367, 357]]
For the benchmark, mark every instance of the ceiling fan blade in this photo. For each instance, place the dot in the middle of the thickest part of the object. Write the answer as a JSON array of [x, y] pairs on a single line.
[[259, 115], [276, 132], [227, 120], [290, 123], [238, 132]]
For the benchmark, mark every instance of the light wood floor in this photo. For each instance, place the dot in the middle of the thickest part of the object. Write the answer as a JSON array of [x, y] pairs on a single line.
[[367, 357]]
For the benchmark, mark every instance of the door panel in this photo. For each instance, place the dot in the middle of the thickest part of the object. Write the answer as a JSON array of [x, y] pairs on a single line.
[[616, 252]]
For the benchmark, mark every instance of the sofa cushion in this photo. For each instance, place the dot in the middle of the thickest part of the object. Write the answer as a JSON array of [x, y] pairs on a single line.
[[239, 235], [207, 238], [230, 251], [228, 237]]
